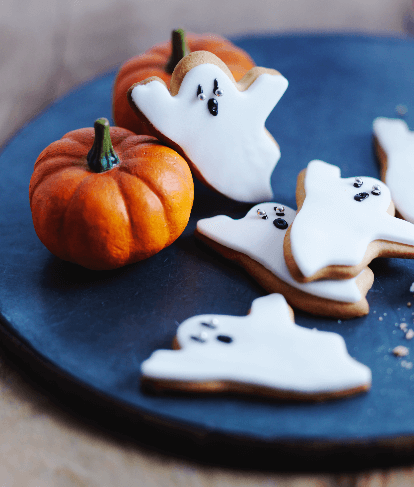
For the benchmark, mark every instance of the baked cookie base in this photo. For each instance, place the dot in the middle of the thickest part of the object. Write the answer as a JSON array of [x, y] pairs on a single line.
[[295, 297], [160, 386]]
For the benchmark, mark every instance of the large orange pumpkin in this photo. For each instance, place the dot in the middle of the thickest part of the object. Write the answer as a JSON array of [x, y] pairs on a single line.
[[104, 197], [161, 60]]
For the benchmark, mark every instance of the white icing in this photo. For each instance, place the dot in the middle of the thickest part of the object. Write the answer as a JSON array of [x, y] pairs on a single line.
[[268, 349], [333, 229], [397, 141], [233, 150], [263, 242]]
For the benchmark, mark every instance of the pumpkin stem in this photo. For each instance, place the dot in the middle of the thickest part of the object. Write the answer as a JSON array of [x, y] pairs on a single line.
[[179, 49], [102, 156]]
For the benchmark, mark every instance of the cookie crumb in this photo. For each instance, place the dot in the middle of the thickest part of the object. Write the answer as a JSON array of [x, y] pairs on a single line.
[[406, 364], [400, 351], [380, 318], [410, 334], [401, 110], [403, 327], [409, 304], [412, 288]]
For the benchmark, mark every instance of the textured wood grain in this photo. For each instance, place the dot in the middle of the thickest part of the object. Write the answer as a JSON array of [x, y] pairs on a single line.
[[42, 445]]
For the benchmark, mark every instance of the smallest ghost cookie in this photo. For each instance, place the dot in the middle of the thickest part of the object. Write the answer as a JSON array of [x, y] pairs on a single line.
[[218, 125], [394, 145], [264, 353], [342, 224]]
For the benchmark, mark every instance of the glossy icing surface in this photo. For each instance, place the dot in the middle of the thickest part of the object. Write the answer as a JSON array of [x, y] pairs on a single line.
[[262, 241], [333, 228], [397, 141], [264, 348], [231, 149]]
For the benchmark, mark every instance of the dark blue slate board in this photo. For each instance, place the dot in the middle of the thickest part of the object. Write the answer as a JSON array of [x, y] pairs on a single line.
[[93, 329]]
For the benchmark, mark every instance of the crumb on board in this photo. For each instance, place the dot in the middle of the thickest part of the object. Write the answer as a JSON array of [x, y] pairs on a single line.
[[409, 304], [401, 110], [412, 288], [406, 364], [400, 351], [380, 318], [410, 334], [403, 327]]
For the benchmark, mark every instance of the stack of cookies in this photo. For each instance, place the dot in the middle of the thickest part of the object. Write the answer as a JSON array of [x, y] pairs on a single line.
[[317, 257]]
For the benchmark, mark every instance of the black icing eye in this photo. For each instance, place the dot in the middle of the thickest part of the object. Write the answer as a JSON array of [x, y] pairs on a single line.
[[216, 89], [361, 196], [208, 325], [358, 182], [262, 214], [199, 338], [200, 95], [224, 338], [376, 190], [280, 223]]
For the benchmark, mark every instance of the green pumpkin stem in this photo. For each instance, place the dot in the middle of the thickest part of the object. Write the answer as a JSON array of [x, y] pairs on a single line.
[[179, 49], [102, 156]]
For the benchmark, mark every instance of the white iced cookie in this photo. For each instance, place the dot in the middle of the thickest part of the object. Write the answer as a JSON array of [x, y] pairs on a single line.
[[256, 243], [394, 144], [216, 123], [263, 353], [342, 224]]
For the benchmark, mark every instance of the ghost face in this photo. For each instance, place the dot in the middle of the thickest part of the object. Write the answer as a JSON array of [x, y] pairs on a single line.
[[219, 127], [212, 103]]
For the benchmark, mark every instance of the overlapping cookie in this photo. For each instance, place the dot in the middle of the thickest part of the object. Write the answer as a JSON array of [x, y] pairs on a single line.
[[264, 353], [256, 243], [216, 123], [394, 144], [341, 225]]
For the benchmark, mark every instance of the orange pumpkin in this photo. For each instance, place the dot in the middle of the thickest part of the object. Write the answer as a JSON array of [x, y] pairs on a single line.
[[161, 60], [104, 197]]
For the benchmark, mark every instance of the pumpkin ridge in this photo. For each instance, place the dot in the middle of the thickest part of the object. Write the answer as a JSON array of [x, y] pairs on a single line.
[[63, 253], [73, 251], [118, 182], [75, 146], [65, 213], [44, 176], [159, 194], [138, 231]]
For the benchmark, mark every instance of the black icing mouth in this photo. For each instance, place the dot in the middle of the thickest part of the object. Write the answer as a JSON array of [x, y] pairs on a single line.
[[361, 196], [212, 106]]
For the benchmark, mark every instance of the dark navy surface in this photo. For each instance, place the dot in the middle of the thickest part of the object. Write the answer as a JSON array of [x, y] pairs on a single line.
[[97, 327]]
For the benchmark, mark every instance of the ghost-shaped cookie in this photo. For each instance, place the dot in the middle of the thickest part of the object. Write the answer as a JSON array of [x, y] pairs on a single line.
[[256, 243], [341, 225], [394, 144], [263, 353], [217, 124]]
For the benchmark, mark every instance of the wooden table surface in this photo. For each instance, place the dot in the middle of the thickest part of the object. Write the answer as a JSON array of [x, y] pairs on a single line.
[[43, 444]]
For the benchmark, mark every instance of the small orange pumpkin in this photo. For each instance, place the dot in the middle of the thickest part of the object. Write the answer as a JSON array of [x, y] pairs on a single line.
[[104, 197], [161, 60]]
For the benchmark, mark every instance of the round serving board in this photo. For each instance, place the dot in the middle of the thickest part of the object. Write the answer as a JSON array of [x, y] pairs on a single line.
[[90, 331]]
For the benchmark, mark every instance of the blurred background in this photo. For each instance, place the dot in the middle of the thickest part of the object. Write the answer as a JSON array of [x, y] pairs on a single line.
[[50, 46]]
